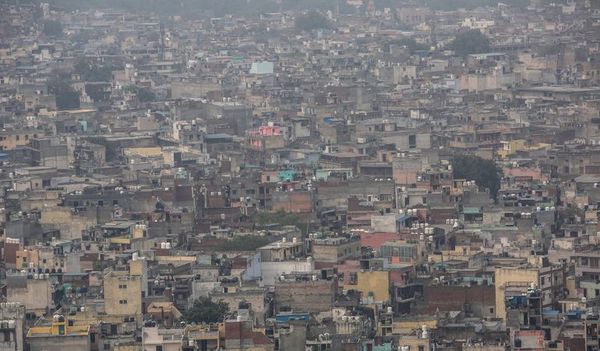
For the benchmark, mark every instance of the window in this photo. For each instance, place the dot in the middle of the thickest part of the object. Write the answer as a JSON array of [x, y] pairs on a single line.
[[159, 348], [122, 286], [412, 141], [7, 336], [71, 322], [122, 302]]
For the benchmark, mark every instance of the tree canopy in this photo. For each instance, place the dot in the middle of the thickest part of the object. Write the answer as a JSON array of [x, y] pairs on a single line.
[[281, 218], [244, 243], [410, 43], [484, 172], [311, 21], [145, 95], [52, 28], [91, 72], [65, 96], [470, 42], [141, 93], [204, 310]]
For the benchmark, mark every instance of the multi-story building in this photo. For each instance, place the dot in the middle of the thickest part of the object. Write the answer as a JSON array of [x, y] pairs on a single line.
[[550, 280], [123, 295], [335, 249], [12, 324]]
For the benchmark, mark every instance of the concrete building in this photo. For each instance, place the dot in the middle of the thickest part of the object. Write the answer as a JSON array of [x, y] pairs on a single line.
[[549, 279], [123, 295], [335, 249], [282, 250], [304, 295], [156, 338], [374, 286], [59, 336], [12, 320], [33, 290]]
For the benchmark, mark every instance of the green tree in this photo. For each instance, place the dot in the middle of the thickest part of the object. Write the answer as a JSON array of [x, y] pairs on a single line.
[[145, 95], [65, 96], [52, 28], [142, 94], [244, 243], [204, 310], [67, 100], [91, 72], [97, 93], [410, 43], [281, 218], [484, 172], [311, 21], [82, 37], [470, 42]]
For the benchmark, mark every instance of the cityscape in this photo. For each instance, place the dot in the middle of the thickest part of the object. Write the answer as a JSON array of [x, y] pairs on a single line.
[[300, 175]]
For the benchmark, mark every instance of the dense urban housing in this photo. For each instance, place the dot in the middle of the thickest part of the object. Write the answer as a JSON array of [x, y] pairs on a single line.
[[299, 175]]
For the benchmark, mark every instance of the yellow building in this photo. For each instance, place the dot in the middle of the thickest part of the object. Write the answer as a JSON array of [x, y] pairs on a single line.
[[149, 152], [505, 276], [374, 284], [513, 146], [11, 139], [408, 326], [140, 231], [551, 280], [59, 336], [123, 294]]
